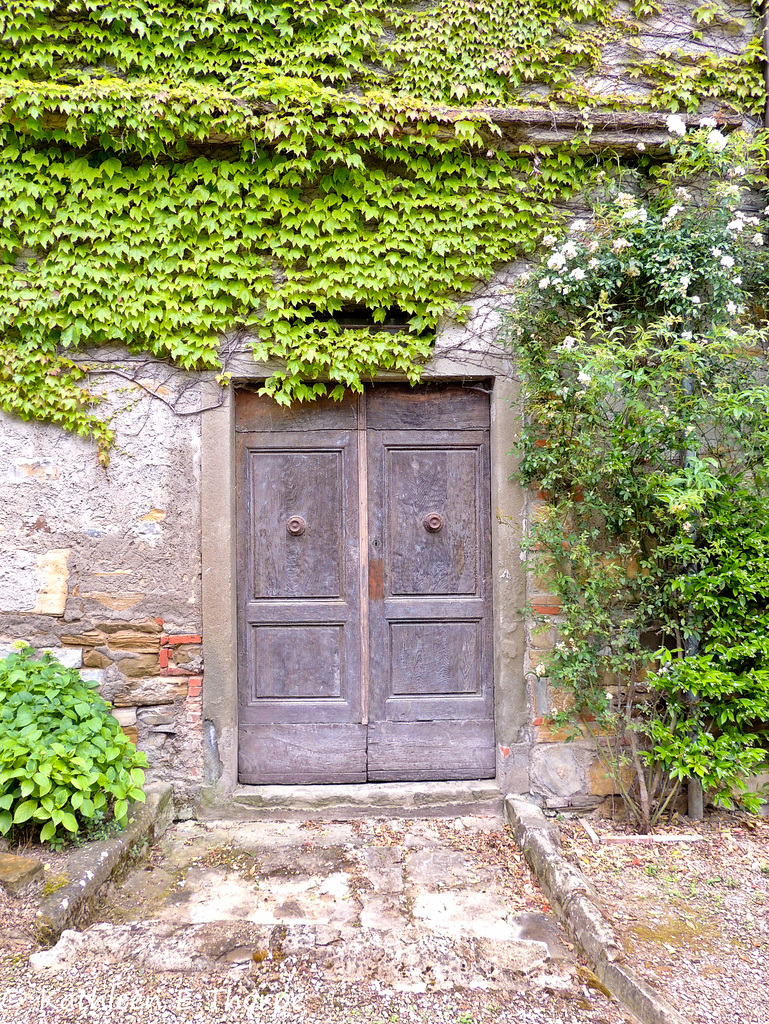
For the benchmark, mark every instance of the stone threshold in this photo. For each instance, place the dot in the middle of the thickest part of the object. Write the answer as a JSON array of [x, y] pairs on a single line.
[[361, 800]]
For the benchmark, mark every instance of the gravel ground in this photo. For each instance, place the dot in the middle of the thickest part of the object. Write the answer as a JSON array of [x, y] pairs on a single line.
[[692, 916]]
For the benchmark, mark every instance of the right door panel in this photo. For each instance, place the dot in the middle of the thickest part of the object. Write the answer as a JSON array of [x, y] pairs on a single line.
[[430, 711]]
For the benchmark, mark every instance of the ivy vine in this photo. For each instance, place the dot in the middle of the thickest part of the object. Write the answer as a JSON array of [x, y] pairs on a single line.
[[174, 170]]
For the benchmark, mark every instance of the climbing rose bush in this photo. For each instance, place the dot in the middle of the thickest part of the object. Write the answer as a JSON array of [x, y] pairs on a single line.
[[641, 340]]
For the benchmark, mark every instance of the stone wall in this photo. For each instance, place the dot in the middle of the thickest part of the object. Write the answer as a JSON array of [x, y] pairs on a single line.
[[102, 567]]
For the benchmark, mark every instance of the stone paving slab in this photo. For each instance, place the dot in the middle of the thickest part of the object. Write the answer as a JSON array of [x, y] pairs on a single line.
[[395, 903], [16, 873]]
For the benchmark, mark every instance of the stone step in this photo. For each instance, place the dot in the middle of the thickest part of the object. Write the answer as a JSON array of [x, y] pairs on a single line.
[[366, 800], [409, 961]]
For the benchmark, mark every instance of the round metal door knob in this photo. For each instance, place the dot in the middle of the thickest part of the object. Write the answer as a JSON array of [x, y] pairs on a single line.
[[296, 526], [432, 522]]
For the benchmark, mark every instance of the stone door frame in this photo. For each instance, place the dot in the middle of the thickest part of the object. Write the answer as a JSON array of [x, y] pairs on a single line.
[[219, 582]]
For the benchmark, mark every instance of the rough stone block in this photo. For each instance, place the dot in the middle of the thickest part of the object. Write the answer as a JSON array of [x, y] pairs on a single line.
[[557, 770], [148, 691], [134, 640], [540, 695], [90, 638], [132, 733], [16, 873], [95, 659], [71, 657], [93, 675], [144, 626], [53, 574], [141, 665], [599, 782], [155, 716], [543, 640], [125, 716]]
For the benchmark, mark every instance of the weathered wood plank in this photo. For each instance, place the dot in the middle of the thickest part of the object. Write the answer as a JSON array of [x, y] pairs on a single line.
[[254, 412], [432, 407], [311, 754], [411, 751]]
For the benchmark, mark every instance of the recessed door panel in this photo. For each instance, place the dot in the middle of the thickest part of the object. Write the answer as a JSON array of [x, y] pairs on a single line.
[[297, 662], [296, 498], [435, 659], [432, 511]]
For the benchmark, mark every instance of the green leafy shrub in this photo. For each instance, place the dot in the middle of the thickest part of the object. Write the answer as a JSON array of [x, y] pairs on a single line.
[[643, 346], [64, 760]]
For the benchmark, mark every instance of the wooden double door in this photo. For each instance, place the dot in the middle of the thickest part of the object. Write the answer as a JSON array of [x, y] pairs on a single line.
[[365, 636]]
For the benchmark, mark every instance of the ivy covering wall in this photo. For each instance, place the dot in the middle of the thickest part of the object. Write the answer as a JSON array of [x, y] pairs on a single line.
[[174, 170]]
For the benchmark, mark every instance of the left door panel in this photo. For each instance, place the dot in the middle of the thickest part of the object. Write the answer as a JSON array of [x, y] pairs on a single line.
[[299, 619]]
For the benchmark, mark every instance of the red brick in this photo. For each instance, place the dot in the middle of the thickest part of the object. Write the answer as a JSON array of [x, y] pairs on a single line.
[[167, 640], [543, 607], [163, 657], [174, 670]]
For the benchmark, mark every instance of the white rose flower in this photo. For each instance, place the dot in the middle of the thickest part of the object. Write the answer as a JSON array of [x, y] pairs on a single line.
[[579, 225], [593, 245], [731, 308], [708, 122], [686, 335], [727, 261], [549, 240], [569, 250], [568, 343], [716, 141], [624, 200], [578, 274], [676, 125], [584, 378], [737, 280], [640, 147], [556, 262], [544, 283], [540, 671], [620, 244], [592, 264], [735, 225], [684, 193], [758, 238], [716, 252], [674, 210], [695, 299]]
